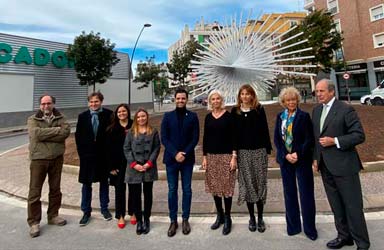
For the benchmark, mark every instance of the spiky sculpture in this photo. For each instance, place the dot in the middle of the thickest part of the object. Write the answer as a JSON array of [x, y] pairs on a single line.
[[236, 55]]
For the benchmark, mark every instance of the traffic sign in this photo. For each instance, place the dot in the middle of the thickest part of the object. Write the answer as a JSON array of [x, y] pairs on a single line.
[[346, 76]]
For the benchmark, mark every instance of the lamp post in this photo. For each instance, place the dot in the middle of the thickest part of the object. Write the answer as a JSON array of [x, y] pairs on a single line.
[[146, 25]]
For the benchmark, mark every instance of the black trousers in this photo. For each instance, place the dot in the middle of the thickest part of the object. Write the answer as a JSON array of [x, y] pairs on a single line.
[[135, 196], [346, 200]]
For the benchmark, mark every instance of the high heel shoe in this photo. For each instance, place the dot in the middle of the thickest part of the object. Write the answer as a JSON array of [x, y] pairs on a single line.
[[121, 223], [133, 220]]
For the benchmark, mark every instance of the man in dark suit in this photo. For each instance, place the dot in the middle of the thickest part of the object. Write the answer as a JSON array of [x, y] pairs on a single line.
[[337, 131], [179, 135], [91, 146]]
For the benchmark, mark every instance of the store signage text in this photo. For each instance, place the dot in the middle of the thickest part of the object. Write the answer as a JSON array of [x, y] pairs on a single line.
[[41, 57]]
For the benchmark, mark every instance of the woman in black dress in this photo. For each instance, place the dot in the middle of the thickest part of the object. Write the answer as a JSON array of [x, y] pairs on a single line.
[[219, 159], [117, 163]]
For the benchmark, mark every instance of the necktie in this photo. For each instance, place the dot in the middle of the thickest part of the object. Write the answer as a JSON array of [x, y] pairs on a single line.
[[323, 116], [95, 123]]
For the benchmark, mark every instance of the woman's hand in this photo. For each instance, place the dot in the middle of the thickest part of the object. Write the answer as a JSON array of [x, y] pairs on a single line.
[[233, 163], [139, 168], [292, 158], [204, 163], [114, 172]]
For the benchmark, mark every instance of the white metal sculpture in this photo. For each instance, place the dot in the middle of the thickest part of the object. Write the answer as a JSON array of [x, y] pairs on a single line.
[[236, 55]]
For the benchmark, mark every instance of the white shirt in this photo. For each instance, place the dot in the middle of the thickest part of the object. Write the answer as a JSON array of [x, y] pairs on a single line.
[[328, 106]]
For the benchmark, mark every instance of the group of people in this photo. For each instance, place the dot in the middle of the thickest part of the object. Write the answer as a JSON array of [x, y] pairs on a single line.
[[122, 151]]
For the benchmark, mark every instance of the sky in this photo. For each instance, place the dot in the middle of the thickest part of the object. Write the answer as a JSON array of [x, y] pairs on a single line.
[[121, 20]]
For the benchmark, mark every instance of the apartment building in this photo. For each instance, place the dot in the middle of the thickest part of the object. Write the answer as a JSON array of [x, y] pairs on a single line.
[[362, 25]]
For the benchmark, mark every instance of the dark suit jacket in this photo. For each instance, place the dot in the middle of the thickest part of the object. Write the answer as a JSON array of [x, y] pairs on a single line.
[[93, 154], [341, 122], [175, 140], [303, 140]]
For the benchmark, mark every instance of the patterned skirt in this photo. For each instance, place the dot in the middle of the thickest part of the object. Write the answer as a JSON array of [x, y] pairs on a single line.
[[253, 171], [219, 179]]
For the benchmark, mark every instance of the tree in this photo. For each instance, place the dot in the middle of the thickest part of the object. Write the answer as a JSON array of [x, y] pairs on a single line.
[[94, 57], [149, 72], [179, 65], [320, 30]]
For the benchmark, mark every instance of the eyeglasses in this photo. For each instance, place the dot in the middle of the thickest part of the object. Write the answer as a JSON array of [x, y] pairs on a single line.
[[46, 103]]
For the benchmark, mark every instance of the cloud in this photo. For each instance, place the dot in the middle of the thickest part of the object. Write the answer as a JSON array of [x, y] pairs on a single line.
[[121, 20]]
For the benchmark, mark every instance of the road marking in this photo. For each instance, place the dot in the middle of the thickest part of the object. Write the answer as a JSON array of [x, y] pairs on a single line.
[[12, 149]]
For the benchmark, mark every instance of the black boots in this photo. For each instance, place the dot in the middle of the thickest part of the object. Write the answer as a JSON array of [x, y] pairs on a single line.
[[146, 226], [139, 227], [218, 222], [252, 224], [227, 224]]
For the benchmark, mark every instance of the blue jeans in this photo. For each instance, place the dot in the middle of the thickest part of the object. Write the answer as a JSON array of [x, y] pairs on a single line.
[[86, 197], [173, 179]]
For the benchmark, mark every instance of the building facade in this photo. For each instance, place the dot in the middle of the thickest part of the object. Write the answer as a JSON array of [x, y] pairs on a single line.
[[362, 25], [31, 67]]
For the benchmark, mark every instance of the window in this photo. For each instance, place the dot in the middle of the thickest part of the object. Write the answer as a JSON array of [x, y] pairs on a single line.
[[293, 23], [333, 6], [307, 2], [338, 27], [378, 40], [377, 12]]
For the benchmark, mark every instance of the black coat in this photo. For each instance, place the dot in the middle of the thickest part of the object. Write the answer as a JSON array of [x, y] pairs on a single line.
[[92, 153], [115, 153]]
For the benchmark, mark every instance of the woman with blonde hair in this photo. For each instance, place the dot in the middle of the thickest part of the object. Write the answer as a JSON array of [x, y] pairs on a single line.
[[294, 141], [219, 159], [253, 146], [141, 149]]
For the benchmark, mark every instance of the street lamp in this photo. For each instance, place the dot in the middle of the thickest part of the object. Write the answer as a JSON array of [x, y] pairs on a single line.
[[146, 25]]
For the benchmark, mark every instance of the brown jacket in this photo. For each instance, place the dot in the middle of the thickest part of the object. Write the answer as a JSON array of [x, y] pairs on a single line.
[[47, 139]]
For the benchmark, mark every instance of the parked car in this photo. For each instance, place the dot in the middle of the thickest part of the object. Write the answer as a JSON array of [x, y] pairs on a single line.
[[365, 100], [200, 99], [377, 94], [376, 97], [167, 101]]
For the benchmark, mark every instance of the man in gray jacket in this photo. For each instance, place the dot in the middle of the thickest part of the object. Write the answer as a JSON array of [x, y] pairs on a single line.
[[338, 131], [47, 130]]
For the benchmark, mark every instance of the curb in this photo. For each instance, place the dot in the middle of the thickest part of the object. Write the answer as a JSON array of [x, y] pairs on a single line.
[[273, 173]]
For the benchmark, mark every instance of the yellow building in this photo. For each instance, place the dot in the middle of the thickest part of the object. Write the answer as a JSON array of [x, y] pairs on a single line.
[[268, 22]]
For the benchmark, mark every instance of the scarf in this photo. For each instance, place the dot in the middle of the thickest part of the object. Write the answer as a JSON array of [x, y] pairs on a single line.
[[286, 129]]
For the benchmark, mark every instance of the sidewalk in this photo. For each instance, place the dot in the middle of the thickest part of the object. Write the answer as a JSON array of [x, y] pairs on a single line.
[[14, 179]]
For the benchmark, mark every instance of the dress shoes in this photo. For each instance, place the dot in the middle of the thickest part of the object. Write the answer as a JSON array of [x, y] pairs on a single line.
[[312, 237], [339, 243], [252, 224], [172, 229], [186, 227]]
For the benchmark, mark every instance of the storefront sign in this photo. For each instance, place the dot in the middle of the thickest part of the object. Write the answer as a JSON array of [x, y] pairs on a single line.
[[378, 64], [353, 67], [41, 57]]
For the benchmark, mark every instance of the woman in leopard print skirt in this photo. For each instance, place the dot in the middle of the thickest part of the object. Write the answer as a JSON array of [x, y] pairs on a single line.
[[252, 144], [219, 159]]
